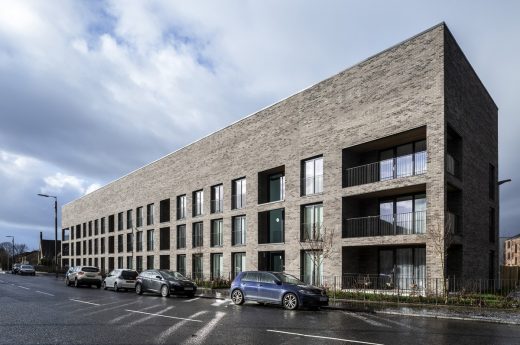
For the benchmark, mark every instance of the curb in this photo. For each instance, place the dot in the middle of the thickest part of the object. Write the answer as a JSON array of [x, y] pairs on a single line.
[[444, 317]]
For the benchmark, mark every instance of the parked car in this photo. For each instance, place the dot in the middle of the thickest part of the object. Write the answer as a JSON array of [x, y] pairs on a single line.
[[84, 275], [276, 288], [165, 283], [16, 268], [120, 279], [27, 270]]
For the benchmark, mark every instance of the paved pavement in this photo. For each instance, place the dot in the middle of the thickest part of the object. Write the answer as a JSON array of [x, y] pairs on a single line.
[[42, 310]]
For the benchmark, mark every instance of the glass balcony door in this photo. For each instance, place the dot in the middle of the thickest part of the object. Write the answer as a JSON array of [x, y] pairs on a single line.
[[312, 222]]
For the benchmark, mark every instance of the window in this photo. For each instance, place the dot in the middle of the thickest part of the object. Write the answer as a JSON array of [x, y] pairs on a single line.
[[84, 229], [129, 262], [164, 240], [150, 209], [312, 267], [78, 248], [492, 223], [239, 193], [139, 242], [96, 262], [181, 207], [217, 199], [238, 236], [129, 243], [198, 203], [271, 226], [120, 221], [164, 262], [217, 266], [139, 213], [164, 211], [312, 181], [111, 223], [181, 236], [239, 263], [89, 247], [149, 240], [404, 160], [312, 222], [78, 231], [110, 264], [120, 262], [95, 246], [197, 266], [111, 245], [90, 228], [120, 244], [492, 182], [96, 227], [197, 239], [102, 225], [149, 262], [139, 263], [129, 222], [404, 215], [85, 247], [217, 233], [103, 245], [181, 264]]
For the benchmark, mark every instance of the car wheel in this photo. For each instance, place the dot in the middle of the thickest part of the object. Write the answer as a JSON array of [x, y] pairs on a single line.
[[104, 285], [98, 286], [116, 289], [138, 289], [165, 292], [76, 283], [237, 297], [290, 301]]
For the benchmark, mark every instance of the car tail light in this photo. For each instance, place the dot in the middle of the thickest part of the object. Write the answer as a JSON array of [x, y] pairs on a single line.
[[81, 273]]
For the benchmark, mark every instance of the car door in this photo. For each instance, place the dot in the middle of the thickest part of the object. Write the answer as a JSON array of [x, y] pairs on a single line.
[[268, 290], [155, 282], [249, 284], [147, 286], [109, 280]]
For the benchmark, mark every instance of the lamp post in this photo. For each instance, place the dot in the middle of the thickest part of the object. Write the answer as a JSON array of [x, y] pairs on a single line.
[[12, 253], [55, 230]]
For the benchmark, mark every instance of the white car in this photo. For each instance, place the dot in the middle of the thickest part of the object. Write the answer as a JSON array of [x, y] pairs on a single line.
[[84, 275], [120, 279]]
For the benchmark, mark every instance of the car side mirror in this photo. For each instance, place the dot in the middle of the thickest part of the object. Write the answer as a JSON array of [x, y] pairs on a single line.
[[278, 282], [158, 277]]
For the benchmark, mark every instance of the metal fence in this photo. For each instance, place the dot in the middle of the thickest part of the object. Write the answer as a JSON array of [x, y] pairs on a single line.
[[384, 225]]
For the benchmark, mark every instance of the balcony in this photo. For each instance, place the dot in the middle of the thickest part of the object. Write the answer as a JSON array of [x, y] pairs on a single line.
[[386, 225], [389, 169]]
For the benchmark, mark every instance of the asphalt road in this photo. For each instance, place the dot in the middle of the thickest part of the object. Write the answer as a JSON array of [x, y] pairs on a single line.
[[42, 310]]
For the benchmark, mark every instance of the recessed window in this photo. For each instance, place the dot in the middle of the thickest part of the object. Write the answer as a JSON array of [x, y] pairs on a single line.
[[181, 264], [181, 207], [120, 221], [164, 240], [217, 266], [271, 226], [217, 199], [198, 203], [271, 185], [150, 209], [129, 222], [111, 223], [197, 236], [217, 237], [181, 236], [239, 193], [149, 240], [312, 180], [164, 211], [139, 213], [238, 236]]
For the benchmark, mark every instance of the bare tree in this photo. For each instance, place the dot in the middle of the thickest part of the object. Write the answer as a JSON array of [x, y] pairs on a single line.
[[317, 241], [441, 238]]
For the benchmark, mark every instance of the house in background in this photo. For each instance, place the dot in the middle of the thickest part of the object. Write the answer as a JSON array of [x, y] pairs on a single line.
[[512, 251], [46, 252]]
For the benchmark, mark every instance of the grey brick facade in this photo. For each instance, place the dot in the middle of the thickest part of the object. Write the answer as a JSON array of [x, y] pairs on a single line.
[[421, 89]]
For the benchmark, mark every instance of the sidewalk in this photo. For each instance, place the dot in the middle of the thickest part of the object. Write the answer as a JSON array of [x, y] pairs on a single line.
[[502, 316]]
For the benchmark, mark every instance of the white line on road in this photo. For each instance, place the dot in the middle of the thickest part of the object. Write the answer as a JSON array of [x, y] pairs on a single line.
[[161, 339], [366, 319], [321, 337], [166, 316], [150, 316], [117, 319], [45, 293], [23, 287], [203, 333], [77, 300], [218, 302], [107, 309], [191, 300]]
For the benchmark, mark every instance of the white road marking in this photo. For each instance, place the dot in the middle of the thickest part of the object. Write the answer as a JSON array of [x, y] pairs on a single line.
[[321, 337], [45, 293], [401, 324], [77, 300], [161, 339], [117, 319], [107, 309], [203, 333], [23, 287], [150, 316], [191, 300], [219, 302], [366, 319], [165, 316]]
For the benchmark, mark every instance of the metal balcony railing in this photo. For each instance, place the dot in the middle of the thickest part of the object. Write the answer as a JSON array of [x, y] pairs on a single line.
[[402, 166], [386, 225], [312, 232]]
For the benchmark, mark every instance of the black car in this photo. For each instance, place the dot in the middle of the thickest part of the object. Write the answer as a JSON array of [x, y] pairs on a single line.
[[165, 283]]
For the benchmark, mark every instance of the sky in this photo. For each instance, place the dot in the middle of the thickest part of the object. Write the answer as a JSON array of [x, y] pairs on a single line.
[[92, 90]]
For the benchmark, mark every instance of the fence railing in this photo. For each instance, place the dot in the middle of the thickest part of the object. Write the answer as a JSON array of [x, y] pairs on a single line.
[[386, 225], [402, 166]]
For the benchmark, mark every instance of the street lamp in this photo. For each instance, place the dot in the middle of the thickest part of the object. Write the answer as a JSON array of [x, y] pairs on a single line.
[[55, 230], [12, 253], [503, 181]]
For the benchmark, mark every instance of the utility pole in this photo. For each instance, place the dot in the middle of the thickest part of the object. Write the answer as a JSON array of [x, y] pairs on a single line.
[[55, 230]]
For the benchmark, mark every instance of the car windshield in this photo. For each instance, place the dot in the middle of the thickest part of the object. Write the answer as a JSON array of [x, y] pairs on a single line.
[[289, 279], [27, 266], [172, 274], [89, 269], [129, 275]]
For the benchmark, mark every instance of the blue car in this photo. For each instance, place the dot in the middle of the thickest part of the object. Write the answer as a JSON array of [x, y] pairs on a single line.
[[276, 288]]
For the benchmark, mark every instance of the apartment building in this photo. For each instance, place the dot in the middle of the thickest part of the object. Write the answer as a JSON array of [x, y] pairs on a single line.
[[512, 251], [388, 157]]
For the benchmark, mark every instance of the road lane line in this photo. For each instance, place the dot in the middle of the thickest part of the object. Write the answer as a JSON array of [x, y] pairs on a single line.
[[366, 319], [107, 309], [191, 300], [161, 339], [219, 302], [322, 337], [45, 293], [77, 300], [117, 319], [203, 333], [165, 316], [402, 324], [23, 287], [150, 316]]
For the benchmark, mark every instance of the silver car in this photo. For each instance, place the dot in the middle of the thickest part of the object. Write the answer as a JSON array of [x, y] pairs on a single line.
[[120, 279], [27, 270], [84, 275]]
